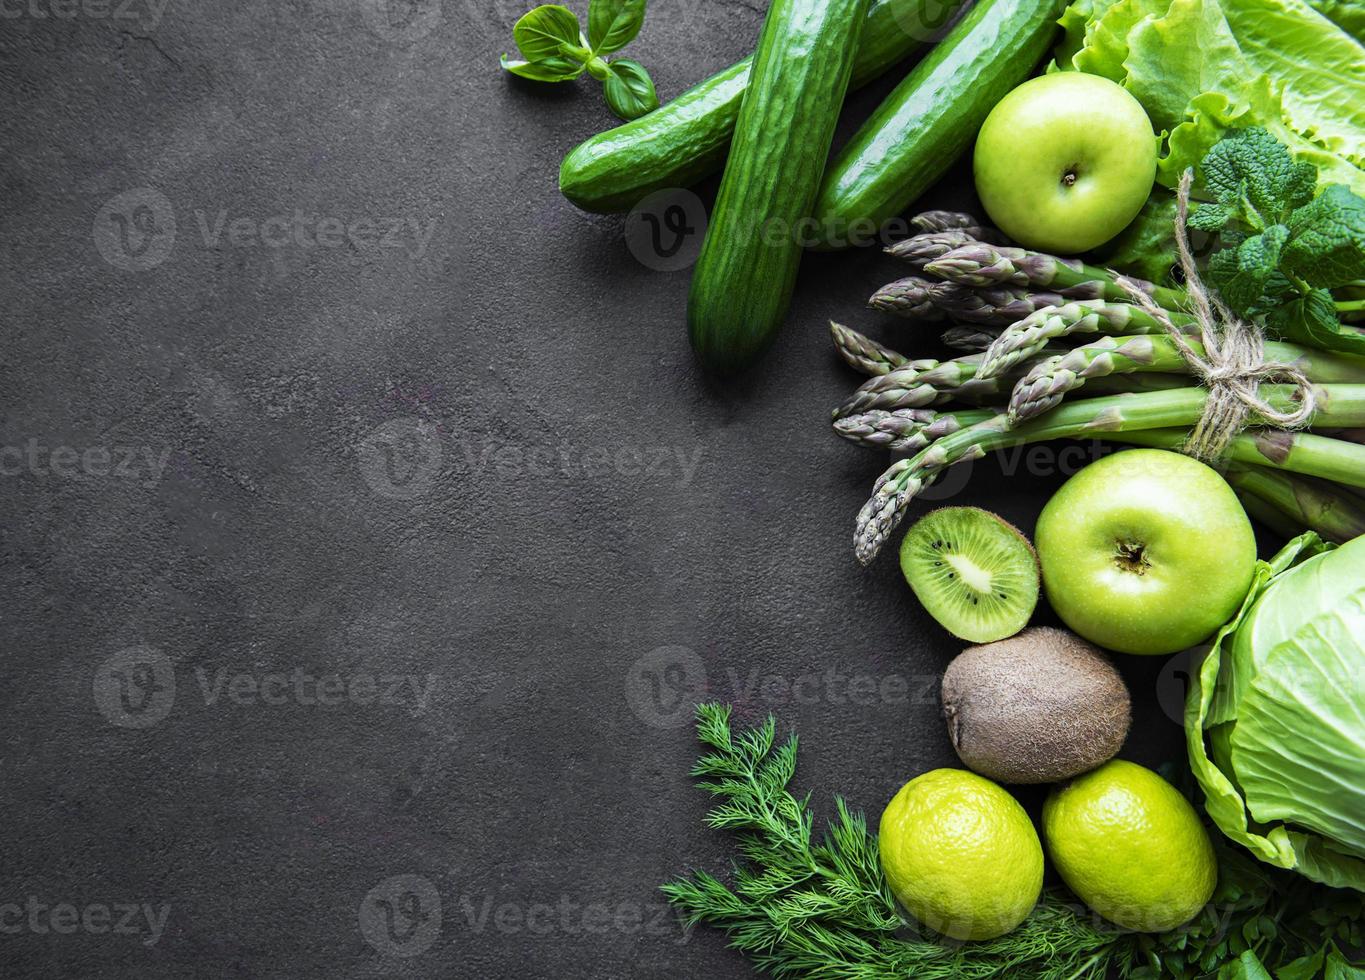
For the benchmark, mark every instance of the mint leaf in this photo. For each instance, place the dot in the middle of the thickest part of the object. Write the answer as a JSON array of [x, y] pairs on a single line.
[[1327, 244], [1252, 174], [1210, 218], [545, 70], [629, 90], [612, 24], [548, 31], [1241, 274]]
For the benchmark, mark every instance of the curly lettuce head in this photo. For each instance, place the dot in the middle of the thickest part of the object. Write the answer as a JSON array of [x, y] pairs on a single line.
[[1203, 67]]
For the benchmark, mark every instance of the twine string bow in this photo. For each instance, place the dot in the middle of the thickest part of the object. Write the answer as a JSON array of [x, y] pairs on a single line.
[[1232, 365]]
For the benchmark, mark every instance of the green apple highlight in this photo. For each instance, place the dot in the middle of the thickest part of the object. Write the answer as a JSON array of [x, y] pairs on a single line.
[[1145, 551], [1065, 161]]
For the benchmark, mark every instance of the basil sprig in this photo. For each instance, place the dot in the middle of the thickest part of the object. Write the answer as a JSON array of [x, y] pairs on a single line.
[[554, 48]]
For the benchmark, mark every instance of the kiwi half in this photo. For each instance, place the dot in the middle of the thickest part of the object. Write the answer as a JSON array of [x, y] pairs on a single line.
[[973, 571]]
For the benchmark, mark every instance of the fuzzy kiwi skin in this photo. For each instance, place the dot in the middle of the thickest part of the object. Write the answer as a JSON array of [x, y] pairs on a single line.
[[1039, 707]]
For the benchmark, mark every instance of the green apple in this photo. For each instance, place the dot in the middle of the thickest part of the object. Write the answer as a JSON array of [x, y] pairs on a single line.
[[1065, 161], [1145, 551]]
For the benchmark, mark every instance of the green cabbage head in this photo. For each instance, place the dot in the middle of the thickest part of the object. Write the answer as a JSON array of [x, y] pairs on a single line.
[[1275, 718]]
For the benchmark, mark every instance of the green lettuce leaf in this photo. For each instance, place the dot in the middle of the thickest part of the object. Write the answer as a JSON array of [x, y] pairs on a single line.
[[1202, 67], [1213, 114], [1349, 15], [1321, 68]]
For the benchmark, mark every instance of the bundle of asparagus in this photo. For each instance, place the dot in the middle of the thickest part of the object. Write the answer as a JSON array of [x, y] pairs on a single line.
[[1038, 329]]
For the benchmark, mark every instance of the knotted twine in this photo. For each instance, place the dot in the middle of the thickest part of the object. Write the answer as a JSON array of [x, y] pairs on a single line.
[[1233, 363]]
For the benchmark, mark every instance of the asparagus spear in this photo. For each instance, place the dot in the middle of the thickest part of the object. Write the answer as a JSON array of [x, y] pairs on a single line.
[[906, 430], [983, 264], [969, 339], [1293, 452], [865, 354], [1338, 405], [1310, 503], [960, 220], [923, 384], [909, 297], [929, 245], [1048, 382], [1024, 338], [999, 306]]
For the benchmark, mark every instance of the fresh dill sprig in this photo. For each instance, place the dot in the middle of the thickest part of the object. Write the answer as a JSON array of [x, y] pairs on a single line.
[[808, 907], [802, 906]]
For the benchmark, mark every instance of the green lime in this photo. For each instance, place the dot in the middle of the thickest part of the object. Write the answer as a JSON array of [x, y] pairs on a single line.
[[1130, 846], [961, 854]]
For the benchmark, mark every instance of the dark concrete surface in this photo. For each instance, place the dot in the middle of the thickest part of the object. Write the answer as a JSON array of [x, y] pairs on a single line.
[[347, 568]]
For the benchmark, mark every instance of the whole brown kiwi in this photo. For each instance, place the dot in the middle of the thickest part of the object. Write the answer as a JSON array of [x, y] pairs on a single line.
[[1039, 707]]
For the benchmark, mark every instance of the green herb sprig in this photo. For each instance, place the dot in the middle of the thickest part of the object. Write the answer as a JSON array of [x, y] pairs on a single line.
[[1284, 250], [802, 906], [554, 48]]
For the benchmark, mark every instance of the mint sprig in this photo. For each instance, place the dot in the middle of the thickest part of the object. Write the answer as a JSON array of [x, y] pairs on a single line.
[[1283, 250], [554, 48]]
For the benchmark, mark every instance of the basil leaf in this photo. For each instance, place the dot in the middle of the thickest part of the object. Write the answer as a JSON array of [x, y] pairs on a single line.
[[629, 89], [612, 24], [545, 70], [546, 32]]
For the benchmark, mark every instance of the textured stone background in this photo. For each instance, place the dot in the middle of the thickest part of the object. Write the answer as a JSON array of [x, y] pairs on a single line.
[[483, 464]]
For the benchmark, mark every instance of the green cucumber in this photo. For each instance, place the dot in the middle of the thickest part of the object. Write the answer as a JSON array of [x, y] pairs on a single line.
[[930, 119], [685, 140], [745, 272]]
